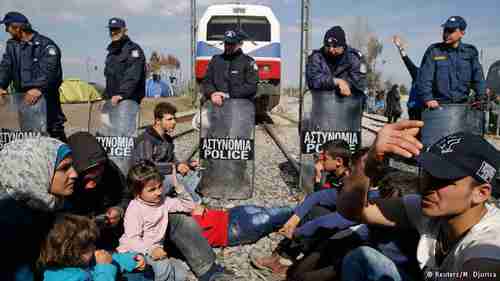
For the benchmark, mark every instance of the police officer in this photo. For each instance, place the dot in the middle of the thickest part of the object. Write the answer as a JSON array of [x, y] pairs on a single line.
[[125, 72], [450, 68], [33, 63], [231, 74], [337, 66]]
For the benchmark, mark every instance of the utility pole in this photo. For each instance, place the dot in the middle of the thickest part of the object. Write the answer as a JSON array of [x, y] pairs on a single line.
[[305, 37], [194, 29]]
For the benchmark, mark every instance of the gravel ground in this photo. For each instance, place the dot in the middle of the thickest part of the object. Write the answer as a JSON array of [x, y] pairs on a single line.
[[276, 184]]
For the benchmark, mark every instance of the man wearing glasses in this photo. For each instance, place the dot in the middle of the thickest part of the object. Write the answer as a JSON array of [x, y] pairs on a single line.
[[125, 73], [450, 69], [337, 66]]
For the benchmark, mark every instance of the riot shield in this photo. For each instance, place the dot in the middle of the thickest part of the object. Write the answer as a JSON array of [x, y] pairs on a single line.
[[227, 150], [118, 143], [449, 119], [493, 78], [493, 83], [17, 121], [327, 116]]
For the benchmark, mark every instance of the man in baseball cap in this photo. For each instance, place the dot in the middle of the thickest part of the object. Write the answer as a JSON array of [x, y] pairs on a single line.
[[455, 22], [32, 64], [125, 79], [14, 17], [459, 229]]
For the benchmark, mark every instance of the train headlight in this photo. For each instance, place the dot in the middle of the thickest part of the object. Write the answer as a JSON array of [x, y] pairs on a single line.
[[266, 68]]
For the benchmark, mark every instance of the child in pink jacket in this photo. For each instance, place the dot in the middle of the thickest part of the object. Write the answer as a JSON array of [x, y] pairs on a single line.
[[146, 220]]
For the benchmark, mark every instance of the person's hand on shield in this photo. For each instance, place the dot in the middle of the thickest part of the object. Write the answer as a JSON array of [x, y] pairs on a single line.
[[116, 99], [344, 88], [32, 96], [432, 104], [3, 95], [217, 98]]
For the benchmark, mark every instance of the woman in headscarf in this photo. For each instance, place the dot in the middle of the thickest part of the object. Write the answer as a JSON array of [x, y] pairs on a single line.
[[35, 177]]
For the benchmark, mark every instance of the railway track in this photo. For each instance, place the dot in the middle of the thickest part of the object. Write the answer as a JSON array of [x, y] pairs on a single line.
[[270, 131]]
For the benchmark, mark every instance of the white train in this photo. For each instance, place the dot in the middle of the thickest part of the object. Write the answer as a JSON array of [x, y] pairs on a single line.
[[264, 45]]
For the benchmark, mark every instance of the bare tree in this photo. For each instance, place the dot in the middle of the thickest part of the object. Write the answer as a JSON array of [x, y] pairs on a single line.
[[358, 33], [403, 90]]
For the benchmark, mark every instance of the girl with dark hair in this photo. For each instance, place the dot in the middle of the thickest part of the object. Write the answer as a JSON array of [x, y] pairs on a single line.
[[69, 253], [146, 219]]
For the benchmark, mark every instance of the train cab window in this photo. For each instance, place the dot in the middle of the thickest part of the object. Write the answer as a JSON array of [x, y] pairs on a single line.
[[257, 28]]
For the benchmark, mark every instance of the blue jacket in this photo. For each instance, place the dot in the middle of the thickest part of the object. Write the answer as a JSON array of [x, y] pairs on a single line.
[[156, 88], [326, 198], [97, 272], [320, 71], [33, 64], [447, 74], [414, 100]]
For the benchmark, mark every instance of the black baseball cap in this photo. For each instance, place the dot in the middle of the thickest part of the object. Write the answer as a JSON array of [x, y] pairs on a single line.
[[232, 37], [460, 155], [455, 22], [14, 17], [116, 23]]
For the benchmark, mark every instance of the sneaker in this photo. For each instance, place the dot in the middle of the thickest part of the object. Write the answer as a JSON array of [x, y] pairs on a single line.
[[273, 264]]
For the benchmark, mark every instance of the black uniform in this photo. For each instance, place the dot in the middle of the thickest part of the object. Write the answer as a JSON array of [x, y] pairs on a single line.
[[125, 70], [235, 74], [350, 66], [36, 64]]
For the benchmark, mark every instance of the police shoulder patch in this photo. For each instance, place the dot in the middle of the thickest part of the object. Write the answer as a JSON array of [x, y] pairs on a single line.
[[254, 65], [362, 68], [135, 53], [51, 50]]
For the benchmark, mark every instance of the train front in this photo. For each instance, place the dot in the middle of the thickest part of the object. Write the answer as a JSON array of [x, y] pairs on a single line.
[[263, 29]]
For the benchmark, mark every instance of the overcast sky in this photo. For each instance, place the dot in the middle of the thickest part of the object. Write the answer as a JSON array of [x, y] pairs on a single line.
[[78, 26]]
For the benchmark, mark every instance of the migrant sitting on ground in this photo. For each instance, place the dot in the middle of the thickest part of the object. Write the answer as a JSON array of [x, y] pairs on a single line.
[[146, 221], [317, 209], [101, 189], [69, 253], [157, 145], [459, 230], [37, 175], [324, 263]]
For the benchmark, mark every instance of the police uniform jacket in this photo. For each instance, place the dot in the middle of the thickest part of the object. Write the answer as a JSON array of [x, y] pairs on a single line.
[[447, 74], [32, 64], [350, 66], [125, 70], [235, 74]]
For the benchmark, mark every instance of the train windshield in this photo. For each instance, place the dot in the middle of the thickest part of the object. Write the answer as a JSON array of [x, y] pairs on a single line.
[[257, 28]]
